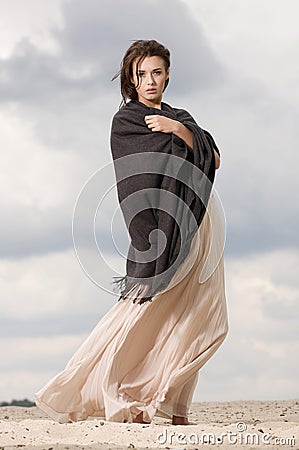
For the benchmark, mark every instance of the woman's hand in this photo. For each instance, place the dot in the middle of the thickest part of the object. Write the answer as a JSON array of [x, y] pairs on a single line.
[[160, 123], [166, 125], [217, 160]]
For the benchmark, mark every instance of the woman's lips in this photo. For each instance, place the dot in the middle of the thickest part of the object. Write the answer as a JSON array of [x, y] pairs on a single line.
[[151, 91]]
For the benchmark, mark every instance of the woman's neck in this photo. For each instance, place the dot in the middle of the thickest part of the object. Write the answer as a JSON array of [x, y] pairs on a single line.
[[152, 105]]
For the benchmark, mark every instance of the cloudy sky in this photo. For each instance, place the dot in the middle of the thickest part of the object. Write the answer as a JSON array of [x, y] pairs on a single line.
[[235, 68]]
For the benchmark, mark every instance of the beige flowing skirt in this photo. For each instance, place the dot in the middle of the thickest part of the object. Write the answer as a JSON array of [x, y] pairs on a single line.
[[146, 358]]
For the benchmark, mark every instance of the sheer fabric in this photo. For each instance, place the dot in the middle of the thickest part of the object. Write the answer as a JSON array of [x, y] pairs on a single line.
[[146, 358]]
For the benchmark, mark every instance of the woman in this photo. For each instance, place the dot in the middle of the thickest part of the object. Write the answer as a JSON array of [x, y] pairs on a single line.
[[143, 359]]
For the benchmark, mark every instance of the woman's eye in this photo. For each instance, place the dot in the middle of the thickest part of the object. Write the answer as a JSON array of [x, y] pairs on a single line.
[[158, 73]]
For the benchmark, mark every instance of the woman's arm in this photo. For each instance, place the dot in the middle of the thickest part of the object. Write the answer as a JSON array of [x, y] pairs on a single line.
[[184, 133], [166, 125]]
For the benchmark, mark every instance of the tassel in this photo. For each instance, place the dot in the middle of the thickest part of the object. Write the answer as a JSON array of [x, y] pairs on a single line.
[[145, 299], [123, 286], [119, 282]]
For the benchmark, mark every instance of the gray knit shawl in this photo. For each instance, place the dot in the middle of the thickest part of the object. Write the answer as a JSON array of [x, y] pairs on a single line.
[[163, 190]]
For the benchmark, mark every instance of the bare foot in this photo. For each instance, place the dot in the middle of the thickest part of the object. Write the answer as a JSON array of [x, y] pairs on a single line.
[[139, 419], [179, 420]]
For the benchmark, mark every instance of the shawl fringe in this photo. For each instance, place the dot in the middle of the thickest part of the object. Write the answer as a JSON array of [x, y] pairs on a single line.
[[125, 287]]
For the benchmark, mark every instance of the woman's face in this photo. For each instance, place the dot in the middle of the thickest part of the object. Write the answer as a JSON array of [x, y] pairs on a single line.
[[152, 77]]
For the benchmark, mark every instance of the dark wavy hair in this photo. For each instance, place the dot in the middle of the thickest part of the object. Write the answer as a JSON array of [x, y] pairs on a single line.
[[139, 49]]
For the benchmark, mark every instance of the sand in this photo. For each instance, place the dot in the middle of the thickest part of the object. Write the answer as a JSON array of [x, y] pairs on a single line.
[[240, 424]]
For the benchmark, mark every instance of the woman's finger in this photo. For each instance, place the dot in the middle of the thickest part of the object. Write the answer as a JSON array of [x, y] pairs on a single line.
[[149, 121]]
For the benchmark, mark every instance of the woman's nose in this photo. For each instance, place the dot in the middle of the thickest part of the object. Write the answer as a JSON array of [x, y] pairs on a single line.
[[150, 79]]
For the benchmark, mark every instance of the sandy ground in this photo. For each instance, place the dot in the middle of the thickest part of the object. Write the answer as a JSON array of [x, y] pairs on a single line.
[[242, 424]]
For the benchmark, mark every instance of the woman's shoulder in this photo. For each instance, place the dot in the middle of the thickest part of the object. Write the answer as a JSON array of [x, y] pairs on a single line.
[[122, 115], [128, 119], [121, 111], [128, 110], [181, 113]]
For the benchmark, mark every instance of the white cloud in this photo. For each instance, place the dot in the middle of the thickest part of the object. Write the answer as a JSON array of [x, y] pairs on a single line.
[[34, 176], [39, 188], [53, 285], [34, 22], [254, 40], [36, 351], [257, 360]]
